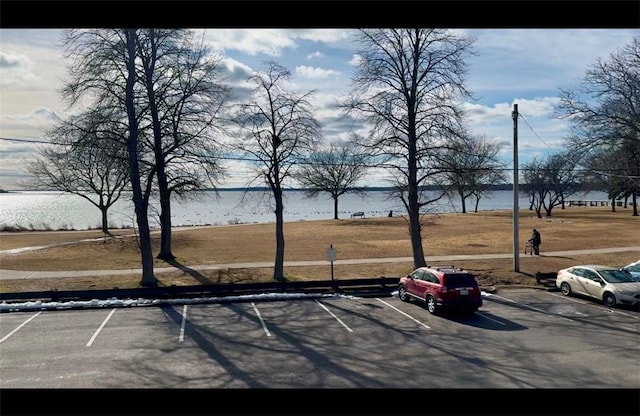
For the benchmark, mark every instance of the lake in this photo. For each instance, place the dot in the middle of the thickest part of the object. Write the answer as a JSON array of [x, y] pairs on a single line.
[[40, 210]]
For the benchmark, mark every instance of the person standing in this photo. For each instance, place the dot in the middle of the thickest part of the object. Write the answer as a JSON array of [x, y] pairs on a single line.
[[535, 242]]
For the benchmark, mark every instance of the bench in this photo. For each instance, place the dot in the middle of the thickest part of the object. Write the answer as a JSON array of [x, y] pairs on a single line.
[[547, 278], [358, 214]]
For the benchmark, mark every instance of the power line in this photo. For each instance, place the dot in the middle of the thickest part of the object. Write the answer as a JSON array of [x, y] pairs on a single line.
[[576, 164], [28, 141]]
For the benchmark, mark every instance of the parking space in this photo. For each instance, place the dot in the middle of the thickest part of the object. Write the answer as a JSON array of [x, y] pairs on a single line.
[[521, 338], [573, 308]]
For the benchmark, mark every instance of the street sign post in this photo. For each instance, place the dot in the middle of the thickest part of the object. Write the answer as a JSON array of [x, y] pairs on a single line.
[[331, 256]]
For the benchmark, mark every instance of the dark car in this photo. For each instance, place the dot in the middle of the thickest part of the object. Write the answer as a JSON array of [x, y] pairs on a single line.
[[442, 287]]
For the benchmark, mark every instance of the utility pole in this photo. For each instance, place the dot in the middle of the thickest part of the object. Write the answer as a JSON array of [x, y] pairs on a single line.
[[516, 208]]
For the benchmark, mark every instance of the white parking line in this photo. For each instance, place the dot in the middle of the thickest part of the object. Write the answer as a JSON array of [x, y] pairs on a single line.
[[184, 322], [264, 325], [19, 326], [95, 335], [335, 317], [408, 316]]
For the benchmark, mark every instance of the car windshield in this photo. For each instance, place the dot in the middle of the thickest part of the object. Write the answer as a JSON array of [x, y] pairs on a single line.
[[460, 280], [617, 276]]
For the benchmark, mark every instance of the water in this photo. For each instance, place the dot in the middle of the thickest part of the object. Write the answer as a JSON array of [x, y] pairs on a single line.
[[55, 210]]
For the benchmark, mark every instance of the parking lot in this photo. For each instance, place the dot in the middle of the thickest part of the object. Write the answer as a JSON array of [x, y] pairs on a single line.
[[523, 338]]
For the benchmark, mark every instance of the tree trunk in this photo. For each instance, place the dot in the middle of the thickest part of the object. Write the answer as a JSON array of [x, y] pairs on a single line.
[[141, 205], [163, 185], [105, 220], [335, 207], [415, 228], [165, 226], [278, 270], [416, 239]]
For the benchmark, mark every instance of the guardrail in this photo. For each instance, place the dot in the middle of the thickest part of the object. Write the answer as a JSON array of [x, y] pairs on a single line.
[[369, 287]]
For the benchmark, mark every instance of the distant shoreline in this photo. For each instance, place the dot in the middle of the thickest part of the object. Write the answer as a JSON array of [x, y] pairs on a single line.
[[488, 188], [44, 210]]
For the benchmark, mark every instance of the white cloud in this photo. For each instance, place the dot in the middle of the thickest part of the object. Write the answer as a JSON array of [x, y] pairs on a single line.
[[315, 55], [355, 59], [39, 120], [334, 37], [9, 61], [16, 71], [270, 42], [314, 72], [537, 107]]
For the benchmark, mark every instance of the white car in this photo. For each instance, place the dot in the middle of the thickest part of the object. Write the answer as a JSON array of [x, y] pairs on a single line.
[[609, 284], [634, 269]]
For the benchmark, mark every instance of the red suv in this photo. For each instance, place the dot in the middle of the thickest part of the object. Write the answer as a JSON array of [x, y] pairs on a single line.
[[443, 287]]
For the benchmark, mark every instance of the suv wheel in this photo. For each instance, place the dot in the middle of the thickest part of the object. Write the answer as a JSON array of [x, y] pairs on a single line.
[[431, 304], [402, 294]]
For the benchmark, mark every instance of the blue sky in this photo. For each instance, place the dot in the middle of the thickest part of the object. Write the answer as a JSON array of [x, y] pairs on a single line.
[[511, 66]]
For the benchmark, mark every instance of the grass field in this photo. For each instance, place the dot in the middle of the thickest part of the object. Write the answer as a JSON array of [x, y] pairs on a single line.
[[486, 232]]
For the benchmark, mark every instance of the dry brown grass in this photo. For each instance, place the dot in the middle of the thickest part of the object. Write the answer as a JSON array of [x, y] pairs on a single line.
[[487, 232]]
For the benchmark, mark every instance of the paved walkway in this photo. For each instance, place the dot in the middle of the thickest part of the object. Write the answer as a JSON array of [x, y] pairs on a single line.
[[14, 274]]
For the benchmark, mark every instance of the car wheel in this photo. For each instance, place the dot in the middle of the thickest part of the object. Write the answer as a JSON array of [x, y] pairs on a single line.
[[609, 299], [431, 304], [565, 288], [402, 294]]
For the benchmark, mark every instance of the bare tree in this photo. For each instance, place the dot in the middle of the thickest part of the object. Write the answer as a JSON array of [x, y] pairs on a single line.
[[86, 158], [172, 103], [626, 181], [601, 170], [551, 180], [103, 73], [279, 131], [605, 112], [140, 198], [185, 97], [470, 165], [335, 170], [405, 87]]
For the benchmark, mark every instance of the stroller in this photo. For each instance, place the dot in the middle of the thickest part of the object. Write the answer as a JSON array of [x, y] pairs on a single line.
[[529, 246]]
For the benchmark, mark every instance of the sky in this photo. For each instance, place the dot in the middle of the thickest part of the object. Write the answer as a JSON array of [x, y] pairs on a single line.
[[527, 67]]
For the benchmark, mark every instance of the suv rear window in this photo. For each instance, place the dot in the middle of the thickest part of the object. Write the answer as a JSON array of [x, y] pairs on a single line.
[[460, 280]]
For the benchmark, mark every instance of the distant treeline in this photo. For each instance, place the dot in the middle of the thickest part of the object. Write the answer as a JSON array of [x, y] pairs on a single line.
[[501, 187]]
